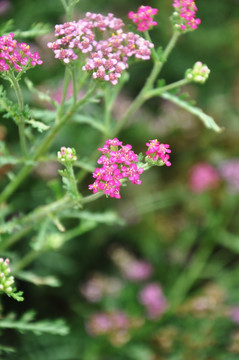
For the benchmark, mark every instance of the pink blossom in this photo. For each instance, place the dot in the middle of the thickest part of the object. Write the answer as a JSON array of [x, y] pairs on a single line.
[[118, 162], [203, 176], [152, 297], [186, 11], [106, 323], [143, 17], [158, 151], [138, 270], [16, 56], [107, 56]]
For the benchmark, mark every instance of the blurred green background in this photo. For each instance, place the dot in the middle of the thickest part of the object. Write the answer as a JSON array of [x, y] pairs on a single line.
[[168, 225]]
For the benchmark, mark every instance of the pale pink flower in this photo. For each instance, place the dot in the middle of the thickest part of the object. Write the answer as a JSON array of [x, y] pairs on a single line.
[[153, 299], [202, 177]]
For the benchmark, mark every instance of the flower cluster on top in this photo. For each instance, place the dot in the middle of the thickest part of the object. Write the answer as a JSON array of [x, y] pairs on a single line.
[[108, 57], [119, 161], [16, 56], [184, 15], [143, 17], [67, 155], [157, 154]]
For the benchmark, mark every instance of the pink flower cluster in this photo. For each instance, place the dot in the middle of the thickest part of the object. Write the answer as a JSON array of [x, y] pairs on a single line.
[[118, 162], [108, 57], [186, 10], [152, 297], [16, 56], [143, 17], [158, 151], [203, 176], [116, 325]]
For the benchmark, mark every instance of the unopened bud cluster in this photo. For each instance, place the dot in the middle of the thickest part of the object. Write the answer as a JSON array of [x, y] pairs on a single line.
[[199, 73], [6, 280], [67, 155]]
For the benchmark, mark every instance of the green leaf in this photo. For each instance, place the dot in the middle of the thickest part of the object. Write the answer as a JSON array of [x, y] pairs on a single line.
[[83, 119], [25, 323], [17, 295], [49, 116], [35, 30], [44, 96], [206, 119], [40, 126], [107, 217], [229, 241], [38, 280]]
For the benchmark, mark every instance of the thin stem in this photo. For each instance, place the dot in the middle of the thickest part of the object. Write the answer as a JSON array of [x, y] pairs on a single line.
[[29, 221], [26, 260], [21, 124], [160, 90], [12, 186], [64, 93], [142, 97]]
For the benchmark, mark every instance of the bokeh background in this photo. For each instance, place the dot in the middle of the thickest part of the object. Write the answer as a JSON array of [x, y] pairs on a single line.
[[176, 246]]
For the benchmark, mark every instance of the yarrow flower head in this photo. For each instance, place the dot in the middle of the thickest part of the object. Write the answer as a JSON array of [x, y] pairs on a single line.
[[106, 57], [157, 154], [67, 155], [16, 56], [118, 162], [184, 16], [199, 73], [143, 17]]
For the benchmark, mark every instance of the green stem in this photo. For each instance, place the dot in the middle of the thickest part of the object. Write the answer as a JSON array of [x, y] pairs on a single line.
[[26, 260], [159, 91], [73, 76], [29, 221], [12, 186], [142, 96], [21, 124], [64, 93]]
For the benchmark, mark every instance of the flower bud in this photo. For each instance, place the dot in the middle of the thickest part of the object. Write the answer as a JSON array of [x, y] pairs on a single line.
[[199, 73]]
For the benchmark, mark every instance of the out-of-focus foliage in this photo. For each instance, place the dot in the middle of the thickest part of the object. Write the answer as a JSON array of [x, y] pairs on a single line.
[[187, 235]]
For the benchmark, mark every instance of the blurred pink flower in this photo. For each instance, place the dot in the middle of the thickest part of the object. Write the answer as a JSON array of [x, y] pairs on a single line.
[[229, 171], [233, 313], [203, 176], [138, 270], [5, 5], [152, 297]]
